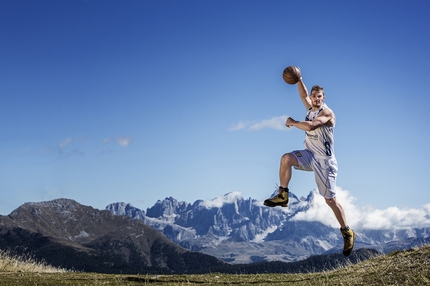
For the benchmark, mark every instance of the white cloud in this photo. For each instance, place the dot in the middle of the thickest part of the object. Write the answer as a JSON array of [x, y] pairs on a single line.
[[238, 126], [366, 217], [319, 211], [123, 141], [64, 149], [64, 143], [395, 218], [72, 146], [219, 201], [277, 123]]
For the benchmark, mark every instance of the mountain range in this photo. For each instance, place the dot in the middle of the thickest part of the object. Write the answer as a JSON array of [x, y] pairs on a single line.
[[227, 234], [239, 230], [66, 234]]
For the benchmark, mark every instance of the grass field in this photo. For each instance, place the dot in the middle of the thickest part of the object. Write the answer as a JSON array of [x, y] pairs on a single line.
[[410, 267]]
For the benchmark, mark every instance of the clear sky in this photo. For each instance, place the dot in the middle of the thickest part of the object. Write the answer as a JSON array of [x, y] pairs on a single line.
[[134, 101]]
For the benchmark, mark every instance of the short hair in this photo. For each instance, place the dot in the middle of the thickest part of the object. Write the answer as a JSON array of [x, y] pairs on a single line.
[[317, 88]]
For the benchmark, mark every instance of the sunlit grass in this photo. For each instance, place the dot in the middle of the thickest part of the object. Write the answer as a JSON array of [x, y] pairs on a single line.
[[408, 267], [14, 263]]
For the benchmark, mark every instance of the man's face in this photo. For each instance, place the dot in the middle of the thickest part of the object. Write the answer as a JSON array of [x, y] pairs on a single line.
[[317, 98]]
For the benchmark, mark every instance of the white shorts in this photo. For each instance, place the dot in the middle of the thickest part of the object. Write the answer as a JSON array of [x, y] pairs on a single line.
[[324, 168]]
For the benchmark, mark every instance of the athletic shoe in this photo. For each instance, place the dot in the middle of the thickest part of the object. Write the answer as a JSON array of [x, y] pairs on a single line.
[[348, 240], [281, 199]]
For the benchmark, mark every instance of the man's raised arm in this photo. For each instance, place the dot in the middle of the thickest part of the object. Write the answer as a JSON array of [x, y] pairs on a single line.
[[303, 92]]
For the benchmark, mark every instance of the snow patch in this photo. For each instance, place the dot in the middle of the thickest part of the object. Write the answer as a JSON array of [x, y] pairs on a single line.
[[260, 237], [218, 202], [83, 234]]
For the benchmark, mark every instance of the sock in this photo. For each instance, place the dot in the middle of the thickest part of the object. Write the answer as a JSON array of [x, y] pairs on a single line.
[[283, 189]]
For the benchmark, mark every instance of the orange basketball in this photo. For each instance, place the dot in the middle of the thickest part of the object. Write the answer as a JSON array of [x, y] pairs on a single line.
[[292, 75]]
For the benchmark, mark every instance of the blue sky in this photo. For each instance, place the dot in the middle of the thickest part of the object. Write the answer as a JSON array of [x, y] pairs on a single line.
[[135, 101]]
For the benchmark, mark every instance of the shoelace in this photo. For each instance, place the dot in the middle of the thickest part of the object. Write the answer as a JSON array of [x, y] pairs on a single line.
[[346, 235]]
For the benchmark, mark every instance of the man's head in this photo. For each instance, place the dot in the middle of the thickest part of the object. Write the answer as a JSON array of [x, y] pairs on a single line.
[[317, 96]]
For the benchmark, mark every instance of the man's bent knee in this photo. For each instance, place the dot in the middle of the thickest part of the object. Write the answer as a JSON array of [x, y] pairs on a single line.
[[331, 201], [289, 160]]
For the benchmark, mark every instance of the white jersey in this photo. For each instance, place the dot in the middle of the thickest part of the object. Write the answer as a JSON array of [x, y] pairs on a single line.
[[321, 140]]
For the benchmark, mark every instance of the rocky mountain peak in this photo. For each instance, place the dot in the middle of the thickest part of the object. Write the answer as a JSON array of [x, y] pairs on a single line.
[[57, 206], [167, 208], [68, 234], [239, 230]]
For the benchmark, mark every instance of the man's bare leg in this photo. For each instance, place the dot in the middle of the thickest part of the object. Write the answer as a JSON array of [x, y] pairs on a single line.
[[338, 211], [285, 170], [281, 199], [347, 233]]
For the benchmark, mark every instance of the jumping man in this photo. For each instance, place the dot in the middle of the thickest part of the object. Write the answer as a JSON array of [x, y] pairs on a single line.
[[317, 156]]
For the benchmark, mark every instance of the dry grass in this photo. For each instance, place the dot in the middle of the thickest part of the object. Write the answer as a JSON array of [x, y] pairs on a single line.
[[411, 267], [13, 263]]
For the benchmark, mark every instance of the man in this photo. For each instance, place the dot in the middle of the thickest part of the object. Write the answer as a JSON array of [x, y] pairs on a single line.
[[318, 156]]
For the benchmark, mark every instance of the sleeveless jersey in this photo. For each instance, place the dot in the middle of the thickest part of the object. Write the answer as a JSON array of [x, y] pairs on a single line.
[[321, 140]]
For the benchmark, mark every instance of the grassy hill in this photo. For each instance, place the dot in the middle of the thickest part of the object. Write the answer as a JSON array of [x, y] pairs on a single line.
[[409, 267]]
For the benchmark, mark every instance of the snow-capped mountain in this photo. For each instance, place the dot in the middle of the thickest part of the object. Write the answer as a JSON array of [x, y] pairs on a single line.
[[242, 230]]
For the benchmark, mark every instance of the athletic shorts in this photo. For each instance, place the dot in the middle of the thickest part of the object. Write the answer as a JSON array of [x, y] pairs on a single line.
[[324, 168]]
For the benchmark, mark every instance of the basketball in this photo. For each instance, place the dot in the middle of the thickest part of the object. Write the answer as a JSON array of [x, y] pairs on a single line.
[[292, 75]]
